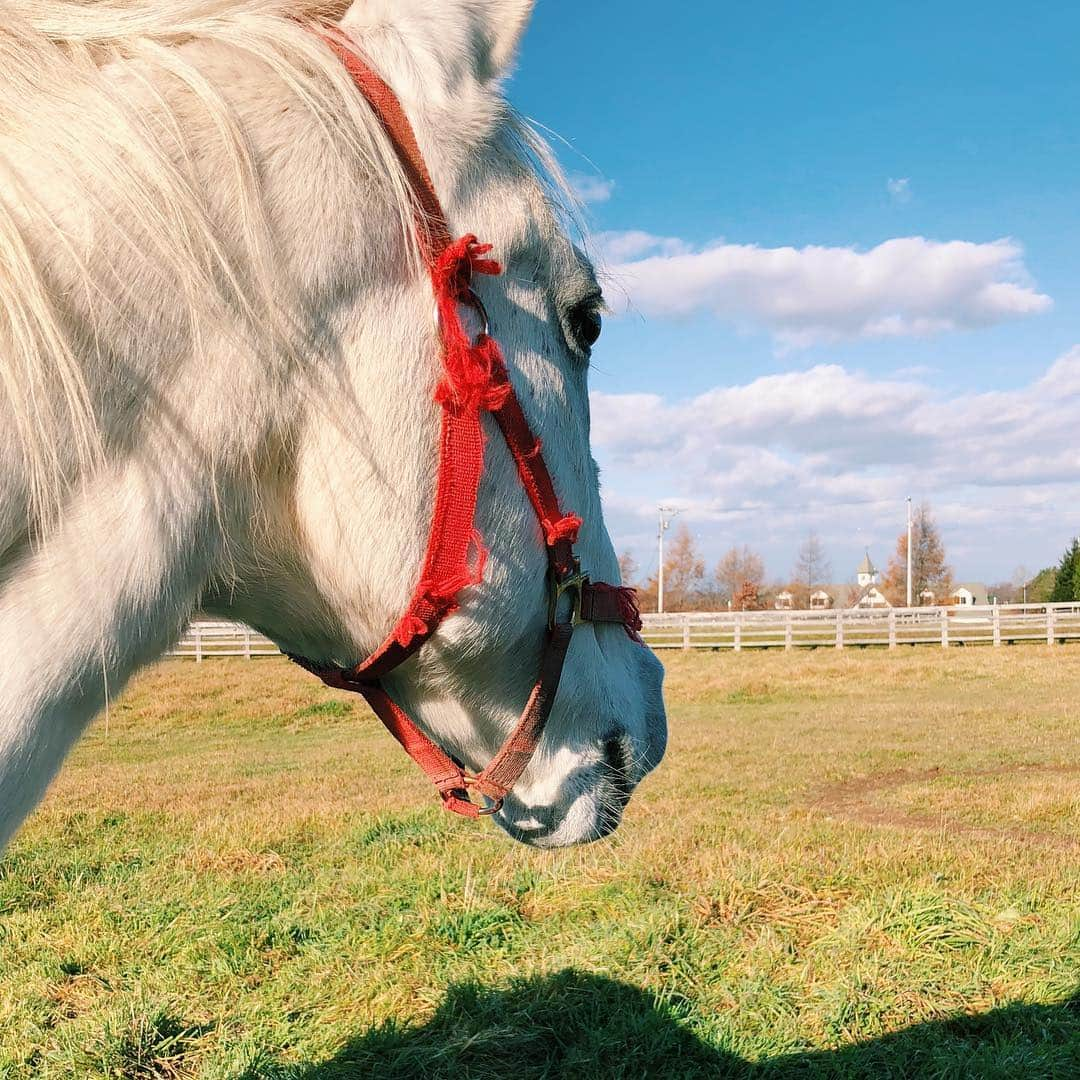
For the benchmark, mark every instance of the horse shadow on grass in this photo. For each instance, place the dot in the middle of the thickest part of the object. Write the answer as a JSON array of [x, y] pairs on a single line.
[[579, 1025]]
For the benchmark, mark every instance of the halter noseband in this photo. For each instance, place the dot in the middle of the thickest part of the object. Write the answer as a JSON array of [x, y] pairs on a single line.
[[475, 380]]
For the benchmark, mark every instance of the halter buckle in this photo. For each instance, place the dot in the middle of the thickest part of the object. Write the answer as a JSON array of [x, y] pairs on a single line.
[[491, 806], [573, 582]]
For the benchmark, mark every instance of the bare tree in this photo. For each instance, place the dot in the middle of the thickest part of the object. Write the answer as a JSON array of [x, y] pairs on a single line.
[[1011, 591], [812, 568], [628, 568], [1020, 578], [737, 567]]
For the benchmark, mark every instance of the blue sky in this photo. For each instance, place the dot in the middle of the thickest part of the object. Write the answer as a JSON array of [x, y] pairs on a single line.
[[841, 241]]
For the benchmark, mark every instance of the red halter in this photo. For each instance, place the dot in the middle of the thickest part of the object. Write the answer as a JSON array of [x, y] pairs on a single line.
[[475, 380]]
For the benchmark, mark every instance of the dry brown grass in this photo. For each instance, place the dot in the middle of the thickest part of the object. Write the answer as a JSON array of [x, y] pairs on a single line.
[[245, 873]]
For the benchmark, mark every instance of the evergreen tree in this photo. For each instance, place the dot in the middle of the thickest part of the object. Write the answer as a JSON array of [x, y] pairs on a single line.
[[1041, 586], [1067, 581]]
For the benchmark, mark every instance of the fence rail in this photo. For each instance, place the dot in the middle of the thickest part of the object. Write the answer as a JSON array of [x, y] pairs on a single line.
[[995, 624], [999, 624], [203, 640]]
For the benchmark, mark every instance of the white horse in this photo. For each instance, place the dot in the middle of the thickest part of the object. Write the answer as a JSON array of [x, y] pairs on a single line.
[[217, 361]]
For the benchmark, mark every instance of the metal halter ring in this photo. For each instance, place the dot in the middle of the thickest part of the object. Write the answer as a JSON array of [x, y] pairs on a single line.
[[491, 806], [574, 582], [471, 300]]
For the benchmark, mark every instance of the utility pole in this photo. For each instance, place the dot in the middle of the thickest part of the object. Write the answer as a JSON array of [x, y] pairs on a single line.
[[667, 515], [909, 551]]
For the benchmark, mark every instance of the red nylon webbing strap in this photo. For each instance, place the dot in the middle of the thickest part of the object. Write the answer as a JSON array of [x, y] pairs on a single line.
[[475, 380], [510, 762], [560, 531], [432, 232], [601, 602], [445, 773], [455, 555]]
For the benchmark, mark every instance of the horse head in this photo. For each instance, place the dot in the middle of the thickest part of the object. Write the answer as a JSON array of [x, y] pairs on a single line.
[[294, 443]]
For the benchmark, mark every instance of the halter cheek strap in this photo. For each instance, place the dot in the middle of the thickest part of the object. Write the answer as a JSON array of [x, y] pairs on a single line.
[[475, 380]]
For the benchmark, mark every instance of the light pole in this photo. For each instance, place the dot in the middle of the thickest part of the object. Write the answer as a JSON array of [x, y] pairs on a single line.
[[1021, 577], [667, 515], [909, 551]]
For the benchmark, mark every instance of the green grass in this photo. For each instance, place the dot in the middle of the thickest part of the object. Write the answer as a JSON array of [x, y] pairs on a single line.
[[851, 864]]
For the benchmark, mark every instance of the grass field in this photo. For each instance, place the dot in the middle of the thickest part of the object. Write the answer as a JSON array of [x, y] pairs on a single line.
[[849, 865]]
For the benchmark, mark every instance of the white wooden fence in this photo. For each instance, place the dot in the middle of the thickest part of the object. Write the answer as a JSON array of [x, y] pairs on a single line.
[[203, 640], [995, 624], [1000, 624]]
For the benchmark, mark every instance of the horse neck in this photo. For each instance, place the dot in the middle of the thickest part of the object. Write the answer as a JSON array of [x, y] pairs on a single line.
[[107, 586], [103, 594]]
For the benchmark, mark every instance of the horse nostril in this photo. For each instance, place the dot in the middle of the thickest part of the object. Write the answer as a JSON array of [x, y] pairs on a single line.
[[617, 759]]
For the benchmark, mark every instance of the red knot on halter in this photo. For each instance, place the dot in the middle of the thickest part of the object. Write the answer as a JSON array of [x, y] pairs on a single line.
[[475, 381]]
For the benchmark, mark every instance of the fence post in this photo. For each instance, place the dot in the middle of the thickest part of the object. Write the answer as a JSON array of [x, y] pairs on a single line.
[[787, 631], [247, 643], [198, 643], [839, 629], [944, 614], [1049, 625], [892, 628], [997, 625], [738, 631], [686, 632]]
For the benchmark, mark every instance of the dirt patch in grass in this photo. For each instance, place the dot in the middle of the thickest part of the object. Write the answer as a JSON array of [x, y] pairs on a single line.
[[871, 800], [77, 992]]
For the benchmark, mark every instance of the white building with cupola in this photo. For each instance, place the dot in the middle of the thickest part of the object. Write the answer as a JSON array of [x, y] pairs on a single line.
[[864, 594]]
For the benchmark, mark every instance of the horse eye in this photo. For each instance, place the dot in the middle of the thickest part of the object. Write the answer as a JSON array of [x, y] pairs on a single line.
[[585, 324]]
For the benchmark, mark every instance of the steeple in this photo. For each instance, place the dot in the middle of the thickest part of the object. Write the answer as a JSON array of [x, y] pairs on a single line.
[[866, 573]]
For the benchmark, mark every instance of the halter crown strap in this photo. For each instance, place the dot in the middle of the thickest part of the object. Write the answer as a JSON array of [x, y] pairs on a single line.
[[475, 380]]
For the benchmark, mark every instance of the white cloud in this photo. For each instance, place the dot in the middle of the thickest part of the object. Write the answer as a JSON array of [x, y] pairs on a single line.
[[838, 450], [909, 286], [900, 190], [590, 188], [618, 247]]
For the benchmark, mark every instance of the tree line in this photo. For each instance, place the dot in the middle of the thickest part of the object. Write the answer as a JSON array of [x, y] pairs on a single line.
[[1058, 584], [738, 580]]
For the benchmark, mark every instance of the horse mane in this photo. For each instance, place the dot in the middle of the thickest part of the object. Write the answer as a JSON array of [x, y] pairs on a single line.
[[120, 21], [54, 294], [56, 52]]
